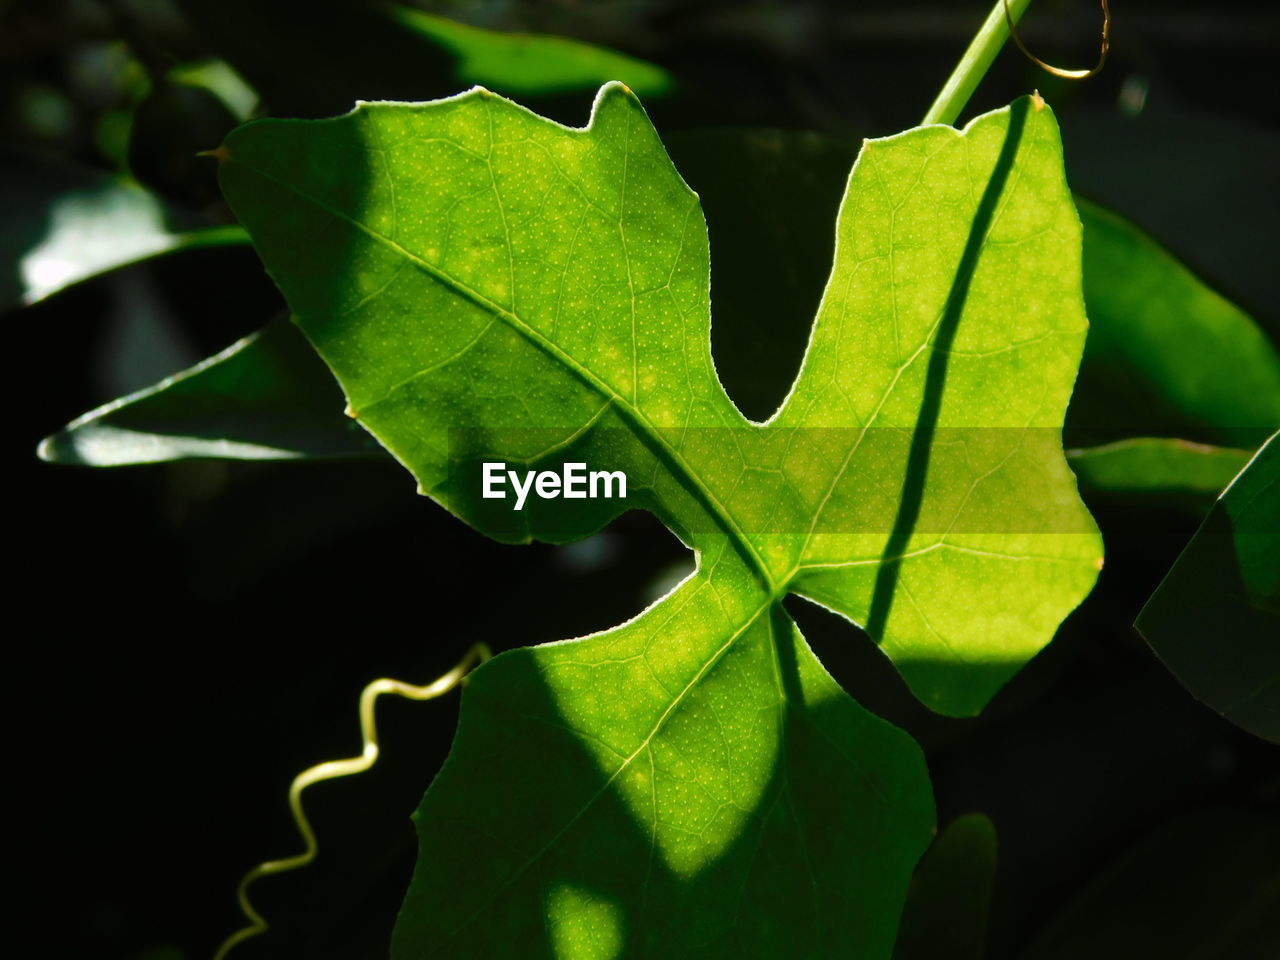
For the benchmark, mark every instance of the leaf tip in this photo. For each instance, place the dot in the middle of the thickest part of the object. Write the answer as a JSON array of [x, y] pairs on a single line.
[[1037, 101], [46, 449], [351, 412], [1098, 564], [221, 154]]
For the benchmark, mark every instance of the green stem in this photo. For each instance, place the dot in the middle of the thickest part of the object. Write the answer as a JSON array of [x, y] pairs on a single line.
[[973, 65]]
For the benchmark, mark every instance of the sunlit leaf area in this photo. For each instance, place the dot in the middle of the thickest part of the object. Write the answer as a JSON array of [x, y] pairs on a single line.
[[591, 481]]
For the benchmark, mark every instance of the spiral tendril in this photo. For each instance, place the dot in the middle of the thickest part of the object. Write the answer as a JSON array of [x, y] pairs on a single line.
[[332, 770]]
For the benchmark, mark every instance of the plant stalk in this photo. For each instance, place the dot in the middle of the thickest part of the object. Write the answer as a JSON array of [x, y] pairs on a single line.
[[974, 64]]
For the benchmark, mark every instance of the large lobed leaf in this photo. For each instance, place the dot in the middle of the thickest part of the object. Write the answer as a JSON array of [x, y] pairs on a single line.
[[489, 285], [795, 180]]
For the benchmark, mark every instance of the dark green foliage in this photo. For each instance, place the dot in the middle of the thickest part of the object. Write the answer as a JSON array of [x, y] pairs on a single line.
[[208, 624]]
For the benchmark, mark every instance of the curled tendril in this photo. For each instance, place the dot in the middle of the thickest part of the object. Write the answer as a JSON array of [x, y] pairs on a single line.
[[1058, 71], [333, 769]]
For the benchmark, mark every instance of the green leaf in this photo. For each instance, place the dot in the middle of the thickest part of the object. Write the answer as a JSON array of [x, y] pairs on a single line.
[[1215, 619], [1143, 166], [795, 180], [950, 895], [530, 64], [266, 397], [645, 791], [342, 50], [217, 77], [63, 225], [1167, 355], [1156, 464], [488, 285], [577, 340]]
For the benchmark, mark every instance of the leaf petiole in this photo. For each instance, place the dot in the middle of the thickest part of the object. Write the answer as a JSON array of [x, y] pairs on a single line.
[[976, 61]]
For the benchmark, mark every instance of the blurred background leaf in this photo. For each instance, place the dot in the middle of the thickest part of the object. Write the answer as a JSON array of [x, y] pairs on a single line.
[[266, 397], [60, 225], [1166, 354], [950, 894], [1215, 619], [528, 66], [1150, 465], [354, 49]]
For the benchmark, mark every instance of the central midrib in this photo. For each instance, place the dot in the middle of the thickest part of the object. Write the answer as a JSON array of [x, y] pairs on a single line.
[[639, 423]]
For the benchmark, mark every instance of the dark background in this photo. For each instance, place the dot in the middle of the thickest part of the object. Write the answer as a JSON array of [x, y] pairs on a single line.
[[185, 638]]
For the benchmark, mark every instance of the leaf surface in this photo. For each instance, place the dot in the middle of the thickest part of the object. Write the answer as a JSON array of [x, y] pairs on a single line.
[[690, 782], [1215, 618], [491, 286]]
